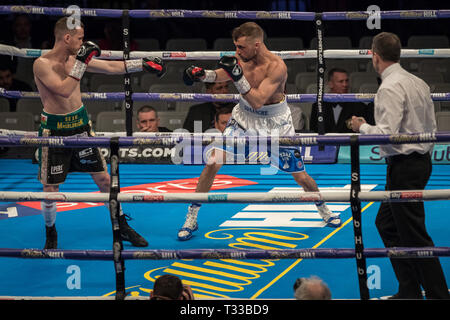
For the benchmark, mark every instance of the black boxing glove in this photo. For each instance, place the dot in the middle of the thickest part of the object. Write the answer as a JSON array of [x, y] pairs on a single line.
[[195, 74], [87, 51], [234, 70], [150, 64]]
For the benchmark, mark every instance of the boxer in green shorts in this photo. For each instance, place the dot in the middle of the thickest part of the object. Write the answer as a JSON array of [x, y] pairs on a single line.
[[56, 163], [57, 74]]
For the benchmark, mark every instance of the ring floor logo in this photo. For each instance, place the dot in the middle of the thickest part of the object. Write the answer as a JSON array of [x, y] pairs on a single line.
[[259, 227], [21, 209]]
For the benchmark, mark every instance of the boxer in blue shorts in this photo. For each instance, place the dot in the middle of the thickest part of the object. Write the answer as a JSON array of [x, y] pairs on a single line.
[[260, 77]]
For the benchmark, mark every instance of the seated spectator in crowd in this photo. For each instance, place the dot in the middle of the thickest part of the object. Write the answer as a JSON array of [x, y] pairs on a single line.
[[170, 287], [113, 39], [205, 112], [8, 82], [148, 120], [221, 118], [22, 35], [312, 288], [335, 114]]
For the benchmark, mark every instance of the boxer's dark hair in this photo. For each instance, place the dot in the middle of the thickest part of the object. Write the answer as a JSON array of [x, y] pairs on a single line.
[[333, 71], [388, 46], [223, 110], [167, 287], [248, 29]]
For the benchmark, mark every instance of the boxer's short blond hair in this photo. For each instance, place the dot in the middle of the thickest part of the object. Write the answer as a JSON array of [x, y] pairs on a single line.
[[62, 27]]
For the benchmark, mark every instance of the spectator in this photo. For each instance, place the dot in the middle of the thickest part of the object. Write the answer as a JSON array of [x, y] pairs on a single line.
[[221, 118], [335, 114], [21, 37], [113, 39], [148, 120], [205, 112], [8, 82], [312, 288], [170, 287], [22, 33]]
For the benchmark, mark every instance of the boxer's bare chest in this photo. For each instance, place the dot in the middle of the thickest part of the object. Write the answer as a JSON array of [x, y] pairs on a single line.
[[255, 74]]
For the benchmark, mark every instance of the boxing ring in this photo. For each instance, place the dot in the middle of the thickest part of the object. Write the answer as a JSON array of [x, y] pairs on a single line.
[[226, 246]]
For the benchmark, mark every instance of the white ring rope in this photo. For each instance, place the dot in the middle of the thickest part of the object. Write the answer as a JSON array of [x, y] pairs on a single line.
[[233, 197], [215, 55]]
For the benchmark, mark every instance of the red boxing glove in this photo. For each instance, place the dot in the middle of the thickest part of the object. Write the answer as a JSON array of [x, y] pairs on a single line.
[[196, 74], [150, 64], [193, 74], [154, 65]]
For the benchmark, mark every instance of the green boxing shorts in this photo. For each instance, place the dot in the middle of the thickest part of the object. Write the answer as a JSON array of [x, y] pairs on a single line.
[[56, 163]]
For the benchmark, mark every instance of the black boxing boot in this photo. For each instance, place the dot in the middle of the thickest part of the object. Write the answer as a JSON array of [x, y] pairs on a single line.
[[51, 241], [129, 234]]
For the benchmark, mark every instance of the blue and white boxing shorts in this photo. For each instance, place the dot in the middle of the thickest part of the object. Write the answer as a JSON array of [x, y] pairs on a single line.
[[269, 120]]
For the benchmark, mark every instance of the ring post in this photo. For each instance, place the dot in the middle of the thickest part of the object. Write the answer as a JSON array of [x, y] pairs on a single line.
[[127, 77], [356, 214], [320, 75], [114, 207]]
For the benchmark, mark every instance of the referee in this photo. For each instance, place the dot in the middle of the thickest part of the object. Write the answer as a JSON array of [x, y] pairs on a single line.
[[403, 105]]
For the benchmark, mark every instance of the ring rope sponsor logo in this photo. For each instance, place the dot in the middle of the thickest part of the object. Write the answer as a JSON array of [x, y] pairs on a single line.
[[46, 142], [217, 197], [411, 138], [33, 253]]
